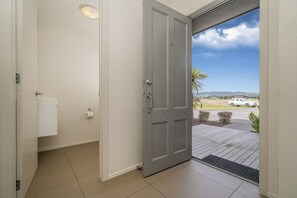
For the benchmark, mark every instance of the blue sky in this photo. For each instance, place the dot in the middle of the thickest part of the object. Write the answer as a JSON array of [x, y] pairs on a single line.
[[229, 54]]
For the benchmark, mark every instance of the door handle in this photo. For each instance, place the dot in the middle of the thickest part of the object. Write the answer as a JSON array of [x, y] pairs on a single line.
[[148, 82], [38, 93], [150, 97]]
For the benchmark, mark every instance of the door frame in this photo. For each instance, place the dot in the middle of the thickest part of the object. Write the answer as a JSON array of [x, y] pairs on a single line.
[[263, 115], [8, 98], [104, 88], [264, 92]]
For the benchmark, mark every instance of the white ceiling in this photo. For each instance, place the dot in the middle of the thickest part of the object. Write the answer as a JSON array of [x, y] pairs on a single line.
[[61, 13]]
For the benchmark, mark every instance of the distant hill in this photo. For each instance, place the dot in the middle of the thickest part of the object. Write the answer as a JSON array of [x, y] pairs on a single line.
[[226, 93]]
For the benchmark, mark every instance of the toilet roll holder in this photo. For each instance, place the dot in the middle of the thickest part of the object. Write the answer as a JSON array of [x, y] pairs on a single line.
[[90, 113]]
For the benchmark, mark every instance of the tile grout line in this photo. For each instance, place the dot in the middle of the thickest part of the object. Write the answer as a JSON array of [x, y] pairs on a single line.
[[213, 181], [236, 189], [28, 193], [75, 175], [137, 191], [157, 190], [145, 188], [49, 188], [156, 182], [46, 189]]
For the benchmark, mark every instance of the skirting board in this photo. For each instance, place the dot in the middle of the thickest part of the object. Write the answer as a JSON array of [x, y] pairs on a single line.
[[118, 173], [270, 195], [66, 145]]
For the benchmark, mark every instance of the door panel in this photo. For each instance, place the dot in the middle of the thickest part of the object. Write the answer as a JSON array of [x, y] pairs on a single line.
[[180, 63], [167, 96], [180, 136], [160, 140], [160, 59], [26, 99]]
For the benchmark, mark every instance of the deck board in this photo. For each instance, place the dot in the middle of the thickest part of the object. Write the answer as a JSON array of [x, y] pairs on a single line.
[[234, 145]]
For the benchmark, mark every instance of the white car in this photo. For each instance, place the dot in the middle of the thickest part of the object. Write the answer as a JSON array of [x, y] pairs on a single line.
[[242, 102]]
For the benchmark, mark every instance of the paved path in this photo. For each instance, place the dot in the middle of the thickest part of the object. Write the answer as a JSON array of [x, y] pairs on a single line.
[[237, 114], [234, 145], [240, 118]]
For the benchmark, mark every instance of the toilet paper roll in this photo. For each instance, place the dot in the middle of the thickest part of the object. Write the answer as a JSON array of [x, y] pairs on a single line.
[[90, 114]]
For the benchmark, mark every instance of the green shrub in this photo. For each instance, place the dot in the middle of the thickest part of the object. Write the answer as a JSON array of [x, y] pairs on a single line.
[[255, 122], [224, 117], [195, 102], [203, 116]]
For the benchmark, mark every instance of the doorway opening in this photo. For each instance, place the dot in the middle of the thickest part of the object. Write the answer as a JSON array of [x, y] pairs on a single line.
[[57, 97], [68, 70], [226, 72]]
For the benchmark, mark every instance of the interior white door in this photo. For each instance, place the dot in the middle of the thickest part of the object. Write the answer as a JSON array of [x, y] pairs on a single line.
[[168, 89], [7, 100], [26, 98]]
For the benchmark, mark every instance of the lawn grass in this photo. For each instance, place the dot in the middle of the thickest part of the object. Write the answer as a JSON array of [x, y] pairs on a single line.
[[218, 107], [256, 113]]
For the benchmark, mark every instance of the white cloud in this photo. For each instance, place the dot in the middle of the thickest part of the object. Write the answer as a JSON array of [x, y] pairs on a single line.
[[209, 55], [244, 60], [229, 38]]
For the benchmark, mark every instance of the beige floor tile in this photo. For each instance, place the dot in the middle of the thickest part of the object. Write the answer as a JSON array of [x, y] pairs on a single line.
[[122, 186], [158, 176], [215, 175], [68, 190], [51, 158], [236, 195], [85, 167], [188, 184], [148, 192], [249, 190], [82, 151], [49, 177]]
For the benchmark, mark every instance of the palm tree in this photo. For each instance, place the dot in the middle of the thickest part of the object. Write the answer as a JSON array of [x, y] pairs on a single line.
[[197, 76], [197, 85]]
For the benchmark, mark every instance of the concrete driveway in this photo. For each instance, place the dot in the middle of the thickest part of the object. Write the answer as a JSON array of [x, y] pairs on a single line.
[[240, 118]]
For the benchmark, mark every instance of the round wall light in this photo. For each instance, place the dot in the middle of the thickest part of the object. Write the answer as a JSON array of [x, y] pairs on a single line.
[[89, 11]]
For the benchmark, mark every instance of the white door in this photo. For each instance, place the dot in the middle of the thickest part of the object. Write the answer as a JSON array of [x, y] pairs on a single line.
[[168, 88], [26, 98], [7, 100]]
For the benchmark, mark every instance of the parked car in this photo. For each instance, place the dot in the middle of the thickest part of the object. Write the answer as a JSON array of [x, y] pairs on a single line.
[[242, 102]]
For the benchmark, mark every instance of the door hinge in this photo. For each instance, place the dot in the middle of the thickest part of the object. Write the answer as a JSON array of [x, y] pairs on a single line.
[[18, 185], [17, 78]]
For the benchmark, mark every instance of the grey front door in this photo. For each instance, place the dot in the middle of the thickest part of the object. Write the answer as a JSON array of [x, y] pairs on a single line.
[[167, 110]]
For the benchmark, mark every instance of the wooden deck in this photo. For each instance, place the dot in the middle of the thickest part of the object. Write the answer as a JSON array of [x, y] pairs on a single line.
[[234, 145]]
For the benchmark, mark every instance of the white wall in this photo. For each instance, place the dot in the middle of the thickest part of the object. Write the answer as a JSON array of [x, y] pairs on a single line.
[[68, 69], [125, 85], [287, 99]]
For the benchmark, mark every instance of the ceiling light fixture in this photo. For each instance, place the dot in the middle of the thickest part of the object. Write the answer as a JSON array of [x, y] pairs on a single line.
[[89, 11]]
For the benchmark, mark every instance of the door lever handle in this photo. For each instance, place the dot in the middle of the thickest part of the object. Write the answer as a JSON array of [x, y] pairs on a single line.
[[148, 82], [150, 107], [38, 93]]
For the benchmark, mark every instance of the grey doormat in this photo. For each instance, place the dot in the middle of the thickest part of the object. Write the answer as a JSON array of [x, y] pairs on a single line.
[[238, 169]]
